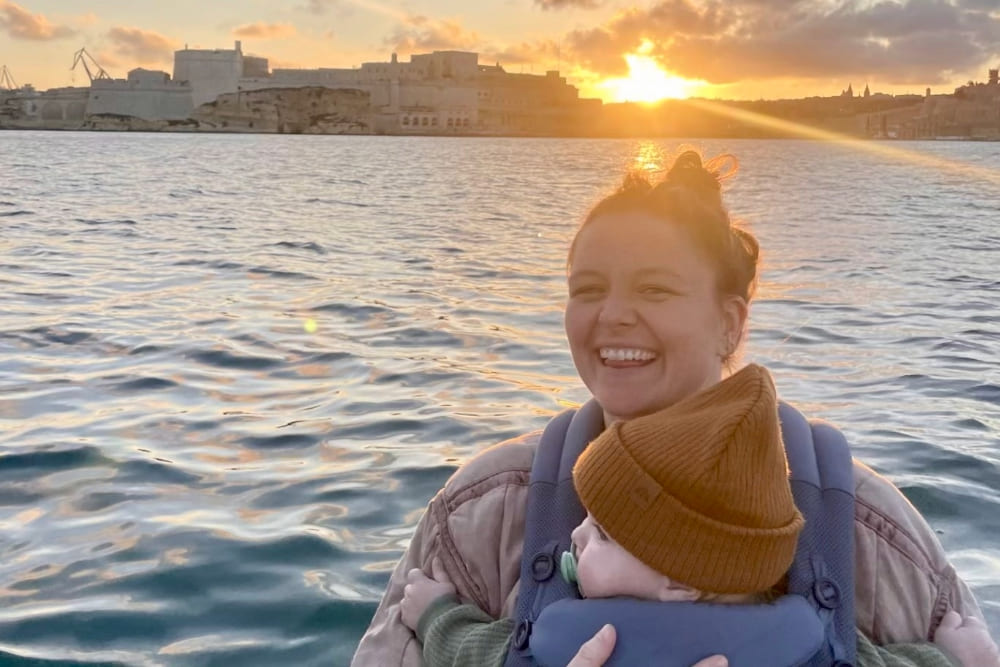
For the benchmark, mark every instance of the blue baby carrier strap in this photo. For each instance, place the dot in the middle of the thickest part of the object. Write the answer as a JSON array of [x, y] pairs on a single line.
[[821, 472], [553, 511], [816, 618]]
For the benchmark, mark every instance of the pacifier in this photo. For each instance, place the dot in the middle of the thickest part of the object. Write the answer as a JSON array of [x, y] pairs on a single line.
[[567, 567]]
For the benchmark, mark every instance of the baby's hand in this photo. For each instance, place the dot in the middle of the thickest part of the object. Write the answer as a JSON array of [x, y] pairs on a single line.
[[421, 590], [968, 640]]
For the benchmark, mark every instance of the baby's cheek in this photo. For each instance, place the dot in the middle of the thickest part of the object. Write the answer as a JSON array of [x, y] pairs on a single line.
[[584, 579]]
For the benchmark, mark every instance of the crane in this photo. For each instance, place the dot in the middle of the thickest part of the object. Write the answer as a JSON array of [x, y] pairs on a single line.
[[81, 57], [7, 79]]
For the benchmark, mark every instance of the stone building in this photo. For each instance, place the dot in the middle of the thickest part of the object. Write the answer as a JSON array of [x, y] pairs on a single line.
[[214, 72], [146, 94]]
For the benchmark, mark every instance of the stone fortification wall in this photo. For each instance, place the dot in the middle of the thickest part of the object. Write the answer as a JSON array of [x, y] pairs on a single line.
[[289, 110], [165, 101], [210, 73], [445, 98]]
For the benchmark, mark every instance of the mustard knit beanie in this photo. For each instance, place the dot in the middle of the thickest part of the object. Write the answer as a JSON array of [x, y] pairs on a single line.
[[699, 491]]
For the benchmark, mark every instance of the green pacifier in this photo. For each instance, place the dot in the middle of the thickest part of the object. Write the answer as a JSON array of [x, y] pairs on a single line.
[[567, 567]]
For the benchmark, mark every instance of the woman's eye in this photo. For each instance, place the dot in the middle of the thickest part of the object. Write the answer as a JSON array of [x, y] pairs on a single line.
[[656, 290], [586, 290]]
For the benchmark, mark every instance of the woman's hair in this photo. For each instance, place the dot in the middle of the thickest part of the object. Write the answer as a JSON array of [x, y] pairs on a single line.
[[691, 196]]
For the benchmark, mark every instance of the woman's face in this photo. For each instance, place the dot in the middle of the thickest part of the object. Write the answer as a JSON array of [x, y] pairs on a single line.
[[645, 324]]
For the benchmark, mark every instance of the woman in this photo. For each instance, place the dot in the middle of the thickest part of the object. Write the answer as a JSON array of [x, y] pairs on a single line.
[[659, 287]]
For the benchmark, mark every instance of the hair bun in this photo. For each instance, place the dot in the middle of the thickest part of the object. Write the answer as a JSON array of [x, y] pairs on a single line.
[[688, 171], [687, 160]]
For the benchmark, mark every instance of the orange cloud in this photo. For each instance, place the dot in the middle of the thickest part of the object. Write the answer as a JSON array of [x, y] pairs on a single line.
[[261, 30], [905, 42], [564, 4], [525, 53], [142, 46], [19, 23], [108, 59], [320, 7], [420, 33]]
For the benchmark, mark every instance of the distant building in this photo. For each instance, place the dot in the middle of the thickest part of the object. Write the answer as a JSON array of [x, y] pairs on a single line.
[[447, 92], [19, 103], [62, 105], [214, 72], [443, 92], [972, 112], [985, 92], [147, 94], [432, 91], [528, 103]]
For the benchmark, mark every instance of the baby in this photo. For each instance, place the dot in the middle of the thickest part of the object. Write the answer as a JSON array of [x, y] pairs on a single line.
[[729, 440]]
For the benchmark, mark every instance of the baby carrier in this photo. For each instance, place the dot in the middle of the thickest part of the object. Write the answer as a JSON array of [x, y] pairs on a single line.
[[811, 626]]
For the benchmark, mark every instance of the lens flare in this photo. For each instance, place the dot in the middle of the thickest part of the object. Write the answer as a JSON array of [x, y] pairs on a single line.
[[647, 81]]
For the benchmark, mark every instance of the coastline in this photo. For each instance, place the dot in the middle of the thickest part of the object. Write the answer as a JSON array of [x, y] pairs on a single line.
[[161, 127], [338, 111]]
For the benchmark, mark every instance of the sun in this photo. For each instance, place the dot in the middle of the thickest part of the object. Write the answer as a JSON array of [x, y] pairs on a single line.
[[647, 81]]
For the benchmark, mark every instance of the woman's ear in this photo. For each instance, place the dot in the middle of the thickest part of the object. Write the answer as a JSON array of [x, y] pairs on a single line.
[[734, 320]]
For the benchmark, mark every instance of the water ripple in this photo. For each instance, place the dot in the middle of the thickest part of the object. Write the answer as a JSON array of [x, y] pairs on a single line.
[[223, 409]]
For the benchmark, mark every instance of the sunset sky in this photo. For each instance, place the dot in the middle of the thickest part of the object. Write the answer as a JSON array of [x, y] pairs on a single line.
[[613, 49]]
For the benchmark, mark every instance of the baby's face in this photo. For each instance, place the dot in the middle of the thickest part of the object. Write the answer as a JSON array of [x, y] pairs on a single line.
[[605, 569]]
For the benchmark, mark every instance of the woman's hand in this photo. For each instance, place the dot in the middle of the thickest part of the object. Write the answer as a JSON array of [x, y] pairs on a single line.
[[421, 590], [967, 639], [596, 650]]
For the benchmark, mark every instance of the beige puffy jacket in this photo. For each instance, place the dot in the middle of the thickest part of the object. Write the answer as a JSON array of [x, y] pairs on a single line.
[[475, 524]]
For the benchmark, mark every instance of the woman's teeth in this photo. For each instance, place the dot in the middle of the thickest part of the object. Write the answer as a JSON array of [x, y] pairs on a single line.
[[626, 354]]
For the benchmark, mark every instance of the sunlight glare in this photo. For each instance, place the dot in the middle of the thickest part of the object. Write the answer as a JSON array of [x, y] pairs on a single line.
[[882, 148], [647, 81]]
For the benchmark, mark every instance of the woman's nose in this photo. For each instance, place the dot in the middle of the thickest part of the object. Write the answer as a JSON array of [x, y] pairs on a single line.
[[617, 309]]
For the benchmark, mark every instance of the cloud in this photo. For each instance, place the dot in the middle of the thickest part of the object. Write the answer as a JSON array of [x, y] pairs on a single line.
[[525, 53], [19, 23], [564, 4], [419, 33], [261, 30], [894, 41], [106, 59], [985, 5], [344, 9], [141, 46], [320, 7]]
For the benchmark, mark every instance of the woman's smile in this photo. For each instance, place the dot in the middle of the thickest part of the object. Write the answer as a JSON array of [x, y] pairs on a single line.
[[624, 357]]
